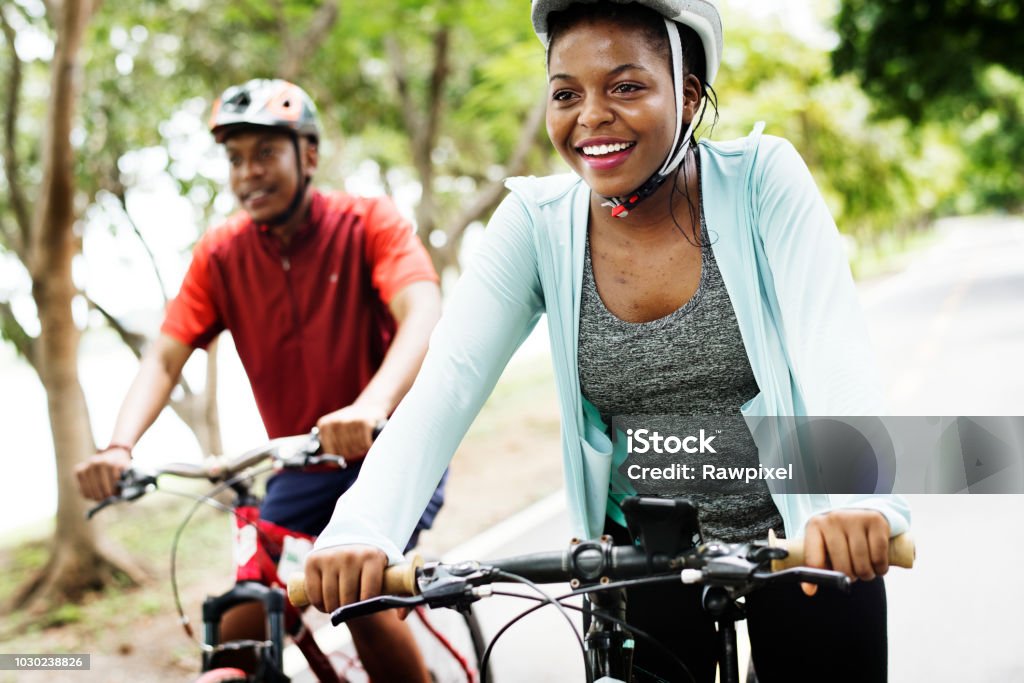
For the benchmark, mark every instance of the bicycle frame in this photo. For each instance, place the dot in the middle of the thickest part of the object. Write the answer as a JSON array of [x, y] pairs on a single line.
[[258, 573], [256, 542]]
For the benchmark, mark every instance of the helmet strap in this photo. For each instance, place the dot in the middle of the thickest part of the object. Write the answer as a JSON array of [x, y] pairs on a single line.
[[300, 191], [622, 205]]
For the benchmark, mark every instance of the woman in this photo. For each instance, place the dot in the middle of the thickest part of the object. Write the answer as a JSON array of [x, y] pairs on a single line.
[[678, 278]]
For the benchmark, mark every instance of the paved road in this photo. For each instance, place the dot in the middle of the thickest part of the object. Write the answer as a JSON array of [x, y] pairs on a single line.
[[949, 328]]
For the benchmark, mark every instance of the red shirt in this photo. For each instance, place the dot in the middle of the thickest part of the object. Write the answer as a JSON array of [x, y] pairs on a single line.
[[310, 321]]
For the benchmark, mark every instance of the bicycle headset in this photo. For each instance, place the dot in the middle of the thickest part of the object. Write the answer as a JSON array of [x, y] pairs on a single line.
[[269, 103], [700, 15]]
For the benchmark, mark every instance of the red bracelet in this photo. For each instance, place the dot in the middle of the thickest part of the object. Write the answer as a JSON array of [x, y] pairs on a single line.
[[113, 444]]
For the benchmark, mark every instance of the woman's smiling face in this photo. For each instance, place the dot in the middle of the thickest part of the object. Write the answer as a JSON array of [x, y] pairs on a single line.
[[611, 112]]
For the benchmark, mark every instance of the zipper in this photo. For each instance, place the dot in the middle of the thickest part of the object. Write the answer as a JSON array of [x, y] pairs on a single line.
[[286, 265]]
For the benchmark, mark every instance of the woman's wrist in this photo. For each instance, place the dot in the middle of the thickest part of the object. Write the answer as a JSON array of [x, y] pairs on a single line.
[[116, 446]]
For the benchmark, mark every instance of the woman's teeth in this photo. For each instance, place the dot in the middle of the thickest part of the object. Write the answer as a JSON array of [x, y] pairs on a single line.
[[601, 150]]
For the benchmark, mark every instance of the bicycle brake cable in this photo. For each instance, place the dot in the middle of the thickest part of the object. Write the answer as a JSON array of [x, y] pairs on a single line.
[[547, 600], [199, 501], [633, 630]]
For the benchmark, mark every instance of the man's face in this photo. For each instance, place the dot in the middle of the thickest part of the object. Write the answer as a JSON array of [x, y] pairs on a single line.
[[264, 175]]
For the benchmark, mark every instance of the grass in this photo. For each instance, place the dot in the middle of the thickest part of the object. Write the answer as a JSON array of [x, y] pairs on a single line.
[[144, 528]]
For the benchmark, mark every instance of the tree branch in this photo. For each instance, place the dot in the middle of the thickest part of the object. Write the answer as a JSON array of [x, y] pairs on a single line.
[[133, 340], [435, 95], [22, 213], [52, 7], [489, 196], [122, 201], [12, 331], [410, 112], [283, 34], [299, 49]]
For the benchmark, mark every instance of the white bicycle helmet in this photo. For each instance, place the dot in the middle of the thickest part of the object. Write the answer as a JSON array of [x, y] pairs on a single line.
[[700, 15]]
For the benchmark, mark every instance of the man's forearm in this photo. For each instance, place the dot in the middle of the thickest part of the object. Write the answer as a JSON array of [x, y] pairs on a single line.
[[416, 309], [158, 373]]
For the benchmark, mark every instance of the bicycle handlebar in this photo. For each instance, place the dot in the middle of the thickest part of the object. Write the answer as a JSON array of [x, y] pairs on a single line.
[[732, 565], [288, 452]]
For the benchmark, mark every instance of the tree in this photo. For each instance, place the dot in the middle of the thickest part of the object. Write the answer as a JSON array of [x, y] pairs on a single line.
[[879, 177], [957, 63], [913, 52], [142, 73], [453, 92], [47, 244]]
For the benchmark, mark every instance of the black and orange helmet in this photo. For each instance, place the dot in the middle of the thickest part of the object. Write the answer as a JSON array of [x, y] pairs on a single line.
[[271, 103]]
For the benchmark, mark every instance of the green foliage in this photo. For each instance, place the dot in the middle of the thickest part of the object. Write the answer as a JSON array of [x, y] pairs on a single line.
[[65, 614], [153, 67], [875, 175], [993, 137], [913, 52], [955, 64]]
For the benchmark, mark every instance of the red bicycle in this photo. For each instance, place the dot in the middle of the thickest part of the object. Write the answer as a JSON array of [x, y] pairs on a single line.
[[264, 553]]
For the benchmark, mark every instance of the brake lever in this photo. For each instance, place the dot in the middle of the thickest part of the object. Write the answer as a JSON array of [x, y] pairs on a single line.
[[106, 502], [312, 453], [374, 605], [133, 485], [820, 577]]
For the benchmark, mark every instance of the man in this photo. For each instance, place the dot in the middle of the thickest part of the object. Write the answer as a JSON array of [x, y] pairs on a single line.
[[330, 300]]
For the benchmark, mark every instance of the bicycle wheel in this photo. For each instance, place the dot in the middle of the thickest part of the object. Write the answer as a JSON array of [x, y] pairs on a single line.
[[223, 675]]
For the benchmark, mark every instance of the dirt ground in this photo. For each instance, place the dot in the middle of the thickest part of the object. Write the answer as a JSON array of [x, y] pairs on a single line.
[[510, 458]]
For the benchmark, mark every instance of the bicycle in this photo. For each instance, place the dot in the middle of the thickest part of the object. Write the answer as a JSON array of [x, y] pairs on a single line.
[[258, 574], [669, 549]]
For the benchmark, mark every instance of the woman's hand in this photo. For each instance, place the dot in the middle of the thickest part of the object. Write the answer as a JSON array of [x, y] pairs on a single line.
[[344, 574], [854, 542]]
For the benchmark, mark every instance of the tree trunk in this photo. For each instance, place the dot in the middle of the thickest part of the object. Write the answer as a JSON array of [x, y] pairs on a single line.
[[79, 562], [198, 409]]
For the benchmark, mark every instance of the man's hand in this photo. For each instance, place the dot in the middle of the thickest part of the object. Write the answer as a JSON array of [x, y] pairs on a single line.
[[99, 476], [343, 575], [854, 542], [349, 432]]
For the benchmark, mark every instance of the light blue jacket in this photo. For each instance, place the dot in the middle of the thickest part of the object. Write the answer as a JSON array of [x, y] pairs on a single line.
[[783, 265]]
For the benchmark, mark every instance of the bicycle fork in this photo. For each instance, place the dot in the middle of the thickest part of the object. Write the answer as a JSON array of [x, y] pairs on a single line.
[[270, 658], [609, 647], [726, 613]]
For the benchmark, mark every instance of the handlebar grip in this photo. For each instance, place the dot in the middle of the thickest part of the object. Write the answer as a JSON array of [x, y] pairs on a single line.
[[297, 590], [902, 551], [399, 579]]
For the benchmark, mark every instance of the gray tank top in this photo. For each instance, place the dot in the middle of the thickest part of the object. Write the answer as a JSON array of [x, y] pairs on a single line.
[[691, 362]]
